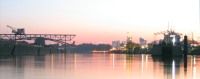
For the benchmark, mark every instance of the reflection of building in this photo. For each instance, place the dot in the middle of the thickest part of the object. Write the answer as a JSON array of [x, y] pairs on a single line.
[[129, 64], [170, 67]]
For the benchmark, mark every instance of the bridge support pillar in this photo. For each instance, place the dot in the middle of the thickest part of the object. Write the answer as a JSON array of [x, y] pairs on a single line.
[[15, 44], [185, 52], [65, 49]]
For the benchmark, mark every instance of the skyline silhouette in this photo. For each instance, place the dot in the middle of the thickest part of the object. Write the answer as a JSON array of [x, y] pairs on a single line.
[[101, 21]]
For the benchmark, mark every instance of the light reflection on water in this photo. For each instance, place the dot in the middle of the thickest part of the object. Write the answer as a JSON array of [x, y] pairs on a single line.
[[97, 66]]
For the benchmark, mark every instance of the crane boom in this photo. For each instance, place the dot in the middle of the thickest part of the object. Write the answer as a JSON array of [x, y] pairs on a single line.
[[13, 29], [10, 27], [16, 31]]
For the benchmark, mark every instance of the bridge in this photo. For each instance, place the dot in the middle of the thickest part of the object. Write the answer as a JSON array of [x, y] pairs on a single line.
[[58, 38]]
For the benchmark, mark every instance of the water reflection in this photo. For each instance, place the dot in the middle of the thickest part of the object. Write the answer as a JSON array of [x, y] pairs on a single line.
[[113, 61], [38, 60], [171, 66], [97, 66], [193, 66], [128, 61]]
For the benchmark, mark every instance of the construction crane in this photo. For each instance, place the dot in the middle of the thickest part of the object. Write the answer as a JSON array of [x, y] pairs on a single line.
[[163, 32], [169, 35], [167, 32], [20, 31]]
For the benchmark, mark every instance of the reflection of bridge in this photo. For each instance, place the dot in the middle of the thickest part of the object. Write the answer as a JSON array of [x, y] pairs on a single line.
[[59, 38]]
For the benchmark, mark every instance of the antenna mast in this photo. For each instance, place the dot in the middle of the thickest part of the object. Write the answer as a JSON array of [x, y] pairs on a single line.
[[168, 26]]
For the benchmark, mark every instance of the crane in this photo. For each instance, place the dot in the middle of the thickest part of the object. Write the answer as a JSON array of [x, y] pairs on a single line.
[[13, 29], [163, 32], [169, 36], [17, 31]]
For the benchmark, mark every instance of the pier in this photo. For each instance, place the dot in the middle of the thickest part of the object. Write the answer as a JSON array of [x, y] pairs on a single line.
[[60, 39]]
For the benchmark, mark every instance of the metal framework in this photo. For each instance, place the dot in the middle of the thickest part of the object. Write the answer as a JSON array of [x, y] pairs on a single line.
[[59, 38], [167, 32]]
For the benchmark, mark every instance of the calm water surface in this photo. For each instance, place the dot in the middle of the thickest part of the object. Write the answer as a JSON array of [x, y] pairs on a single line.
[[97, 66]]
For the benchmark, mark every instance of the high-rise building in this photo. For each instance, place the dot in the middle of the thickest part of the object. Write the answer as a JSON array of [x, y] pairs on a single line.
[[142, 41], [129, 38], [116, 44], [123, 43]]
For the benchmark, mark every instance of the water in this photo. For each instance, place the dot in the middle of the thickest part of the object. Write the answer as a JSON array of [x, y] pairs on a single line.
[[97, 66]]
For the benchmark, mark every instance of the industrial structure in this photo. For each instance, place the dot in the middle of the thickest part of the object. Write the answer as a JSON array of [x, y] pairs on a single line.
[[19, 34], [170, 36], [19, 31], [170, 45], [129, 44], [58, 38]]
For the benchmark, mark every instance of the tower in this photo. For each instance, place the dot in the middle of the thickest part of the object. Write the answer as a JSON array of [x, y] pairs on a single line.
[[129, 44], [129, 38]]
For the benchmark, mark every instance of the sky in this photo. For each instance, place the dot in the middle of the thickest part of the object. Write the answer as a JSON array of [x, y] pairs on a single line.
[[101, 21]]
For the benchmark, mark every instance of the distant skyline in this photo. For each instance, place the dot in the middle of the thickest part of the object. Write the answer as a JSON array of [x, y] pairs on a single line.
[[101, 21]]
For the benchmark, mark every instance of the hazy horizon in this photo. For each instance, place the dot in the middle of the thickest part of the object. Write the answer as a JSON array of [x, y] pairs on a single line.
[[95, 21]]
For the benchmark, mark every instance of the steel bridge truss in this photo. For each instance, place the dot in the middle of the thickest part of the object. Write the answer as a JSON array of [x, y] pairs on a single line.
[[59, 38]]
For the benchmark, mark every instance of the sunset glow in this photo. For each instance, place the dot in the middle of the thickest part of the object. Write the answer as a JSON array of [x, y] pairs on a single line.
[[95, 21]]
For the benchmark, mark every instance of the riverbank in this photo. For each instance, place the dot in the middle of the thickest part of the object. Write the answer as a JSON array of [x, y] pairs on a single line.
[[9, 47], [26, 49]]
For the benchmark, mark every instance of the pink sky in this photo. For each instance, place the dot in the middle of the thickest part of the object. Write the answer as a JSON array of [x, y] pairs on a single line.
[[95, 21]]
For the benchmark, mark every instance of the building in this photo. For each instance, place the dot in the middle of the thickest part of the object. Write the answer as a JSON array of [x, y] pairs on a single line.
[[123, 43], [170, 46], [142, 41], [173, 38], [129, 38], [116, 44]]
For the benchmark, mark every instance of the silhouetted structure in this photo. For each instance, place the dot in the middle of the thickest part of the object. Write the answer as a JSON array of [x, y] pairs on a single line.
[[185, 52], [170, 46], [19, 31], [129, 44], [86, 48], [59, 38], [40, 38], [40, 41]]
